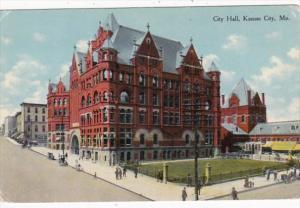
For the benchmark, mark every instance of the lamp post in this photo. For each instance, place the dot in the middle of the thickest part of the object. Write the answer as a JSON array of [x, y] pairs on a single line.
[[62, 136], [196, 165]]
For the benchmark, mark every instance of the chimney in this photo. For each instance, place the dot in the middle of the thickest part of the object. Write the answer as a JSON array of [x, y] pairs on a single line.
[[263, 98], [249, 97], [223, 99]]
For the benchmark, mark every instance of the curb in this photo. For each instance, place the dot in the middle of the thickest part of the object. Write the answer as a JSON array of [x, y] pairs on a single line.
[[247, 190], [141, 195]]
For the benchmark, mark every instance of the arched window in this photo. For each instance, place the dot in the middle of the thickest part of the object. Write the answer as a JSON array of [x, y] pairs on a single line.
[[105, 96], [142, 139], [187, 139], [155, 139], [207, 105], [128, 116], [105, 115], [124, 98], [65, 101], [89, 100], [121, 76], [105, 74], [55, 102], [96, 97], [82, 101], [142, 80], [59, 101]]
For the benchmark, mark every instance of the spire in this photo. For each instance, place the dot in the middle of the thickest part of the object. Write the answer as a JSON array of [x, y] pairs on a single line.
[[213, 67], [148, 27], [111, 23], [191, 40]]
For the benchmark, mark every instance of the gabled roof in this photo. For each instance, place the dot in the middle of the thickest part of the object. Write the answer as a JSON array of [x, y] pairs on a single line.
[[111, 23], [241, 91], [282, 127], [233, 129]]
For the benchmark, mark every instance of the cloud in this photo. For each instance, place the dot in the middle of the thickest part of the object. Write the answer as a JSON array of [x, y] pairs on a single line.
[[82, 46], [235, 42], [272, 35], [7, 110], [294, 107], [208, 59], [294, 53], [227, 75], [63, 70], [39, 94], [5, 40], [39, 37], [22, 75], [277, 70]]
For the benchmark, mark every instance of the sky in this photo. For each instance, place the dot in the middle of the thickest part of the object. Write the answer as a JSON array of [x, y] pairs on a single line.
[[37, 45]]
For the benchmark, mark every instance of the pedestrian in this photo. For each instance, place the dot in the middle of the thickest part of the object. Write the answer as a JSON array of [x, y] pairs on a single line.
[[117, 173], [161, 175], [120, 173], [268, 174], [184, 194], [135, 172], [66, 155], [124, 171], [234, 194], [275, 175], [95, 175]]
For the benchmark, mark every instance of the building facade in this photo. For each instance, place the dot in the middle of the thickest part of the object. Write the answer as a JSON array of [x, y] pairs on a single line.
[[34, 122], [136, 96], [244, 120], [9, 125]]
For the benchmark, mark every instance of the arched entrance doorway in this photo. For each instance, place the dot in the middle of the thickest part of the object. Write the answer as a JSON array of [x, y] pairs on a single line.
[[75, 145]]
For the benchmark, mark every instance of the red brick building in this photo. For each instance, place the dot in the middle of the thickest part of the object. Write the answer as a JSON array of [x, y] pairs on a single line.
[[244, 120], [136, 96]]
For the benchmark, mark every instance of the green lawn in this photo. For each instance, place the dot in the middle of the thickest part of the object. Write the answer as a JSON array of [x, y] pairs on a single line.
[[222, 169]]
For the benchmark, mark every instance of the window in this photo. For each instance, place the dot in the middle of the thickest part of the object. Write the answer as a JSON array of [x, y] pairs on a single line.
[[43, 110], [124, 98], [95, 57], [36, 128], [43, 128], [89, 100], [96, 97], [155, 81], [28, 109], [105, 115], [208, 137], [155, 139], [142, 155], [177, 118], [105, 74], [125, 137], [155, 100], [121, 77], [142, 97], [187, 87], [155, 118], [82, 101], [142, 116], [43, 118], [142, 139], [105, 96], [207, 105], [35, 118], [111, 115], [243, 118], [142, 80], [125, 116], [155, 155], [36, 110], [187, 139]]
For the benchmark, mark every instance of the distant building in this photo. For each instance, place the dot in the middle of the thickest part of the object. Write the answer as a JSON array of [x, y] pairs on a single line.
[[34, 122], [244, 120], [17, 131], [9, 126]]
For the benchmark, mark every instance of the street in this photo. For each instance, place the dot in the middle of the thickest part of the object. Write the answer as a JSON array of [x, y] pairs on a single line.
[[26, 176], [280, 191]]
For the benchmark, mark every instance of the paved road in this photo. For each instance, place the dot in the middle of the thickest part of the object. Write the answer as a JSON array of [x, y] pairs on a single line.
[[279, 191], [26, 176]]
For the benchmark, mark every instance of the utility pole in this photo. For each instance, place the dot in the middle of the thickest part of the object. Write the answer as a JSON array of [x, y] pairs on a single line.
[[196, 165]]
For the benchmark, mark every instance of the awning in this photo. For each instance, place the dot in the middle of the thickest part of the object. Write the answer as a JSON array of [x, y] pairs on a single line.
[[297, 147], [283, 146], [268, 145]]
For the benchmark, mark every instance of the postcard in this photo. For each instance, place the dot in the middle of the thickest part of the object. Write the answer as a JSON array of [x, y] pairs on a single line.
[[150, 104]]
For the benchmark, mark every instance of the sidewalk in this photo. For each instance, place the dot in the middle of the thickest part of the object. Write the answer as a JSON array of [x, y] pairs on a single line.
[[150, 188]]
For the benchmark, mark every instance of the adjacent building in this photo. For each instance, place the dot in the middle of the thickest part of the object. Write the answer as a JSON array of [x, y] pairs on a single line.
[[9, 125], [135, 96], [33, 122], [244, 121]]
